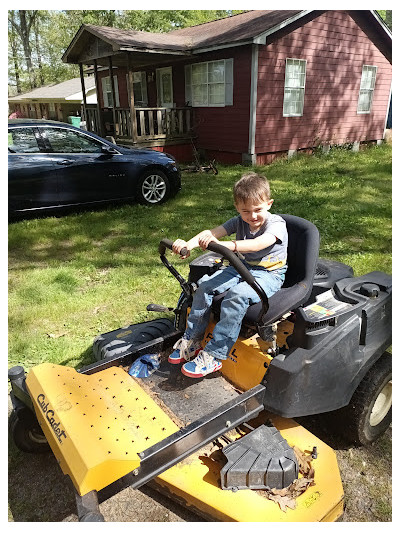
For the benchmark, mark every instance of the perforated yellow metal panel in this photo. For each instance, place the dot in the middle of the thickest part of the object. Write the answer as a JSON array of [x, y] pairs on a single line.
[[95, 424]]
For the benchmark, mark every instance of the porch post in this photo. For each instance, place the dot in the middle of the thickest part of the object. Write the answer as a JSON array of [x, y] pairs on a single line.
[[84, 95], [132, 102], [96, 77], [116, 132]]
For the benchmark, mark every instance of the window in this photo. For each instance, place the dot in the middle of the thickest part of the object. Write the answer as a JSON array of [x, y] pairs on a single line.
[[367, 86], [107, 91], [69, 142], [295, 82], [22, 141], [140, 89], [210, 84]]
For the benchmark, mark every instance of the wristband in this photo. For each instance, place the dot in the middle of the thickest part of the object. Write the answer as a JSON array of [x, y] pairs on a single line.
[[235, 248]]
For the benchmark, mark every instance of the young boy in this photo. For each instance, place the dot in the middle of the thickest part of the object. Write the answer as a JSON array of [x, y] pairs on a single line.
[[261, 238]]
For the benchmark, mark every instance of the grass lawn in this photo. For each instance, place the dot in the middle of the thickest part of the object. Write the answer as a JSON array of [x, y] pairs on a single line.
[[73, 277]]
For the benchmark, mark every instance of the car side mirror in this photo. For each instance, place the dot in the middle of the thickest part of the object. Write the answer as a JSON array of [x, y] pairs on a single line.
[[109, 150]]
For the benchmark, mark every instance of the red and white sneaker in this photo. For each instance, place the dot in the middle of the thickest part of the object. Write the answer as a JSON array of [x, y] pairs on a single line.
[[184, 350], [203, 364]]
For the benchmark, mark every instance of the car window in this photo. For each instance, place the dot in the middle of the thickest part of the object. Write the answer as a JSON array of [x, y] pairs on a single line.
[[71, 142], [22, 141]]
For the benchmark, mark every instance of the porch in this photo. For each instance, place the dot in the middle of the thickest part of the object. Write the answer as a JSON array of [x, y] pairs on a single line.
[[151, 126]]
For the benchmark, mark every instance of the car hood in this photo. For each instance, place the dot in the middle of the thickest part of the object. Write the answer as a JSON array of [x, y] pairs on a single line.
[[142, 151]]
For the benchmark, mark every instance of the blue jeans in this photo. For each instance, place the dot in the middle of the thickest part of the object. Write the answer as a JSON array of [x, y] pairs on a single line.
[[233, 307]]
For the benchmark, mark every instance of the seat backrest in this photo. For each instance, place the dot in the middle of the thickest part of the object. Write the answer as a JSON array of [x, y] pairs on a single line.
[[303, 250]]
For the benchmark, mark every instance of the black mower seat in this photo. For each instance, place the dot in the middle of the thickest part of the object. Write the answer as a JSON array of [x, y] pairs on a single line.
[[303, 250]]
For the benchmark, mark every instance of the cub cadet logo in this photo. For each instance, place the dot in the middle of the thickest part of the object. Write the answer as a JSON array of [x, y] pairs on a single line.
[[55, 426]]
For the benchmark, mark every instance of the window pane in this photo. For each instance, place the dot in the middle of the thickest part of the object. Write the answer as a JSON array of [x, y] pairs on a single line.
[[166, 88], [137, 92], [199, 93], [216, 71], [67, 141], [293, 102], [199, 73], [217, 93], [364, 101], [22, 141]]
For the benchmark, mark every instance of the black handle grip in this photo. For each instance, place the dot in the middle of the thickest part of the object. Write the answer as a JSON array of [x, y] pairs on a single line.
[[167, 243]]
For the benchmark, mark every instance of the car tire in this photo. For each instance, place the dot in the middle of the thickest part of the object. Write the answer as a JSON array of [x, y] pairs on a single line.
[[27, 437], [153, 187], [369, 412]]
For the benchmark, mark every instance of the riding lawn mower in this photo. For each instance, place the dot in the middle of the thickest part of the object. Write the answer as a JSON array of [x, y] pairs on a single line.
[[226, 446]]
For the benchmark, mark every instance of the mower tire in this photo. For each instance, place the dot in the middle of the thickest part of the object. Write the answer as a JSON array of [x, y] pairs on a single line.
[[27, 436], [369, 412]]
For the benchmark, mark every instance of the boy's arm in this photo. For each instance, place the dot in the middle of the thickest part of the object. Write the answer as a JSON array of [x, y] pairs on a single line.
[[251, 245]]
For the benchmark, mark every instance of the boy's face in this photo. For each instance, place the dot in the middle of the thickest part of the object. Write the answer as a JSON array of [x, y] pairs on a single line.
[[254, 213]]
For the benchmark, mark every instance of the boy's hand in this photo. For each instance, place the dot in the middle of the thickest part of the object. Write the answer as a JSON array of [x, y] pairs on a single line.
[[205, 237], [178, 245]]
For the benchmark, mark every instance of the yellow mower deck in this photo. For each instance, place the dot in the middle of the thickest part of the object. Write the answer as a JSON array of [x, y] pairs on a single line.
[[98, 424]]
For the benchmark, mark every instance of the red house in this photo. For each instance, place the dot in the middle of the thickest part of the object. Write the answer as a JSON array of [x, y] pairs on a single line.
[[244, 88]]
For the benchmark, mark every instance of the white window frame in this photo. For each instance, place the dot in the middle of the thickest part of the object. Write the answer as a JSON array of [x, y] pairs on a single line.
[[227, 84], [107, 91], [367, 87], [296, 85]]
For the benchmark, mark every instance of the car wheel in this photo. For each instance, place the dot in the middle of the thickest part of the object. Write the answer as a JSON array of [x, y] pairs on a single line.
[[27, 437], [153, 187], [369, 412]]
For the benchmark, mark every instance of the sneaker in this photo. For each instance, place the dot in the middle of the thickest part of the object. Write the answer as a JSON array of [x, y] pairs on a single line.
[[184, 350], [203, 364]]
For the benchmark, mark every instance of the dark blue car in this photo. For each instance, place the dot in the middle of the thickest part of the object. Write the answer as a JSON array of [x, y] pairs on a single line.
[[52, 164]]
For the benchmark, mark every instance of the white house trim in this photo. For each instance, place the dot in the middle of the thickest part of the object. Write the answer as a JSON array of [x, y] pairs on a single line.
[[253, 100]]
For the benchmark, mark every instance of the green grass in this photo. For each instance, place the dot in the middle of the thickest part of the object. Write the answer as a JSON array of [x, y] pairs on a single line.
[[73, 277]]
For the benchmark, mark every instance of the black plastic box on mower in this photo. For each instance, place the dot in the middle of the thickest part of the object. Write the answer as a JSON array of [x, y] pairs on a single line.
[[225, 445]]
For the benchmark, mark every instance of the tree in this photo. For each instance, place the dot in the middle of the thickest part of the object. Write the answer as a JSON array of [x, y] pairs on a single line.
[[386, 16], [38, 39], [14, 58], [23, 29]]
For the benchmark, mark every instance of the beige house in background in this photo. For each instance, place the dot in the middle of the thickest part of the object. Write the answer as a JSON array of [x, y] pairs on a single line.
[[56, 101]]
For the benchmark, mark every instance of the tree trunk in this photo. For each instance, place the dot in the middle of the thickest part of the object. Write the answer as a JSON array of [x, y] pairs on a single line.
[[25, 24], [38, 53], [14, 51]]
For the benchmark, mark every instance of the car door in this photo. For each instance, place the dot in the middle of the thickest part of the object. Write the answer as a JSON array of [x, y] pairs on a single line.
[[32, 180], [85, 173]]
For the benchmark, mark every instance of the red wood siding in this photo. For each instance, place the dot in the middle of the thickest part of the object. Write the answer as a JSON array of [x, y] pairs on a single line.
[[224, 129], [335, 48]]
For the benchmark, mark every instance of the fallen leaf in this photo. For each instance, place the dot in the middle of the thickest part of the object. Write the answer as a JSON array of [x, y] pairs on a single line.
[[56, 335]]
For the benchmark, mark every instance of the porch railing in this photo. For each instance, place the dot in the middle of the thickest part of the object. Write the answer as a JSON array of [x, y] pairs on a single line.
[[151, 123]]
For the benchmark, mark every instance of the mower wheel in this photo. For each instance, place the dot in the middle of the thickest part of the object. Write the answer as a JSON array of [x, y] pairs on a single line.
[[27, 437], [369, 412]]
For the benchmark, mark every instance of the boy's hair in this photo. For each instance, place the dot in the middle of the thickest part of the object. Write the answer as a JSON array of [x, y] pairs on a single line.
[[253, 187]]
